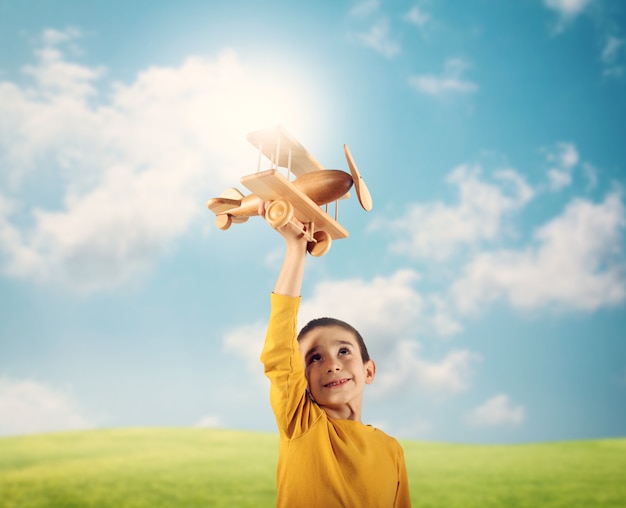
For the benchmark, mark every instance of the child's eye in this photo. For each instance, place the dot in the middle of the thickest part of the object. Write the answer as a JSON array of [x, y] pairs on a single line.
[[344, 351], [315, 358]]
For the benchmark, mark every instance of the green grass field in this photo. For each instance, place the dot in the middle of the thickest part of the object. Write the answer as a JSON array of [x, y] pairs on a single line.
[[154, 468]]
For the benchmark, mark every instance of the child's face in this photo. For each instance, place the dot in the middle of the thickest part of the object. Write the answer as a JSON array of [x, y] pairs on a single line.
[[334, 369]]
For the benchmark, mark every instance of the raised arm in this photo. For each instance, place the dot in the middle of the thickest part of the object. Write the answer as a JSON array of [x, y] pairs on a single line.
[[281, 354], [289, 282]]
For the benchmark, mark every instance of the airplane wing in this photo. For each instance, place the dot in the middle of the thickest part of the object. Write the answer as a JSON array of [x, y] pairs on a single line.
[[267, 141], [270, 185]]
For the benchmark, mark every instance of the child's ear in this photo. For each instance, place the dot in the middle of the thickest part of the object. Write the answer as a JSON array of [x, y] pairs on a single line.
[[370, 371]]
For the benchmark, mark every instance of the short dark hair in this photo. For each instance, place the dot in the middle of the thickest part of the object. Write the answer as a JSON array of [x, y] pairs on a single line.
[[328, 321]]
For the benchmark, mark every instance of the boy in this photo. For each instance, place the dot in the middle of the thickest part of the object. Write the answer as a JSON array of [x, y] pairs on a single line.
[[327, 457]]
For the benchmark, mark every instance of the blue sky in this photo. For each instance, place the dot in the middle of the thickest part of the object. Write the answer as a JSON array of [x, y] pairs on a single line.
[[489, 280]]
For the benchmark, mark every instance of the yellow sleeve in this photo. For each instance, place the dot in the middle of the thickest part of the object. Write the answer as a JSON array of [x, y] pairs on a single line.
[[403, 497], [285, 369]]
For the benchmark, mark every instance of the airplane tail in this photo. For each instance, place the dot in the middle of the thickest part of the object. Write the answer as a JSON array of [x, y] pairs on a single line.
[[229, 199]]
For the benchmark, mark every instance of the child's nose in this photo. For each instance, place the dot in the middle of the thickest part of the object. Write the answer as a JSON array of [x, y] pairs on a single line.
[[333, 366]]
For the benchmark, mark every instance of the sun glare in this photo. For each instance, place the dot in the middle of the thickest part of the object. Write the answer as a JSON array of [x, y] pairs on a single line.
[[267, 97]]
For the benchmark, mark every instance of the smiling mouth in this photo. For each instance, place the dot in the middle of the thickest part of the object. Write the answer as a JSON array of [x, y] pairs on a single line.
[[336, 383]]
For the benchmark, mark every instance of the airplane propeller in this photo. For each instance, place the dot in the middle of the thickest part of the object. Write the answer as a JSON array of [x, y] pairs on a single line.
[[362, 192]]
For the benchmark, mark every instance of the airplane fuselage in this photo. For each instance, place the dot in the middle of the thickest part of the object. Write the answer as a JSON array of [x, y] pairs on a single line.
[[321, 187]]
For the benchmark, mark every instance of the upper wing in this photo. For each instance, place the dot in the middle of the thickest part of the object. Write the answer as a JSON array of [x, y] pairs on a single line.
[[277, 140]]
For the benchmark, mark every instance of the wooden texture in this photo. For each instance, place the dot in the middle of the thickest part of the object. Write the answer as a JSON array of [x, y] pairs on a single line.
[[278, 213], [267, 140], [321, 245], [362, 192], [270, 185], [246, 207], [325, 186], [222, 205], [223, 221], [232, 193]]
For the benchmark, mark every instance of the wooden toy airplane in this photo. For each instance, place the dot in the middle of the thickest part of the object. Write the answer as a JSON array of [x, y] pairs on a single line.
[[302, 198]]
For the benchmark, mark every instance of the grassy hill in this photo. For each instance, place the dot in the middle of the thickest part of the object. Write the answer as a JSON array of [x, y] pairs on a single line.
[[154, 468]]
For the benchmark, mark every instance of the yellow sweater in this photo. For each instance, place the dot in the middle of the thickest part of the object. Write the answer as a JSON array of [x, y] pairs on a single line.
[[324, 461]]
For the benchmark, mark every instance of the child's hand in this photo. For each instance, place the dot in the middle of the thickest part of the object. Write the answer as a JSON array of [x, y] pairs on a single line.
[[289, 280]]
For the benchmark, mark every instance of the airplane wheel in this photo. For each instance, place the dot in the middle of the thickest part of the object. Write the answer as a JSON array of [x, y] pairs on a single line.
[[279, 213], [322, 246], [223, 221]]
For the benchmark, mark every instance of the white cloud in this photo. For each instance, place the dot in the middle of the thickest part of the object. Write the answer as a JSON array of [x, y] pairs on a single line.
[[565, 158], [568, 8], [443, 322], [55, 76], [438, 231], [209, 422], [247, 342], [449, 82], [125, 170], [612, 48], [53, 37], [365, 8], [406, 370], [380, 308], [378, 39], [417, 17], [559, 179], [576, 262], [591, 174], [28, 407], [612, 53], [497, 411]]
